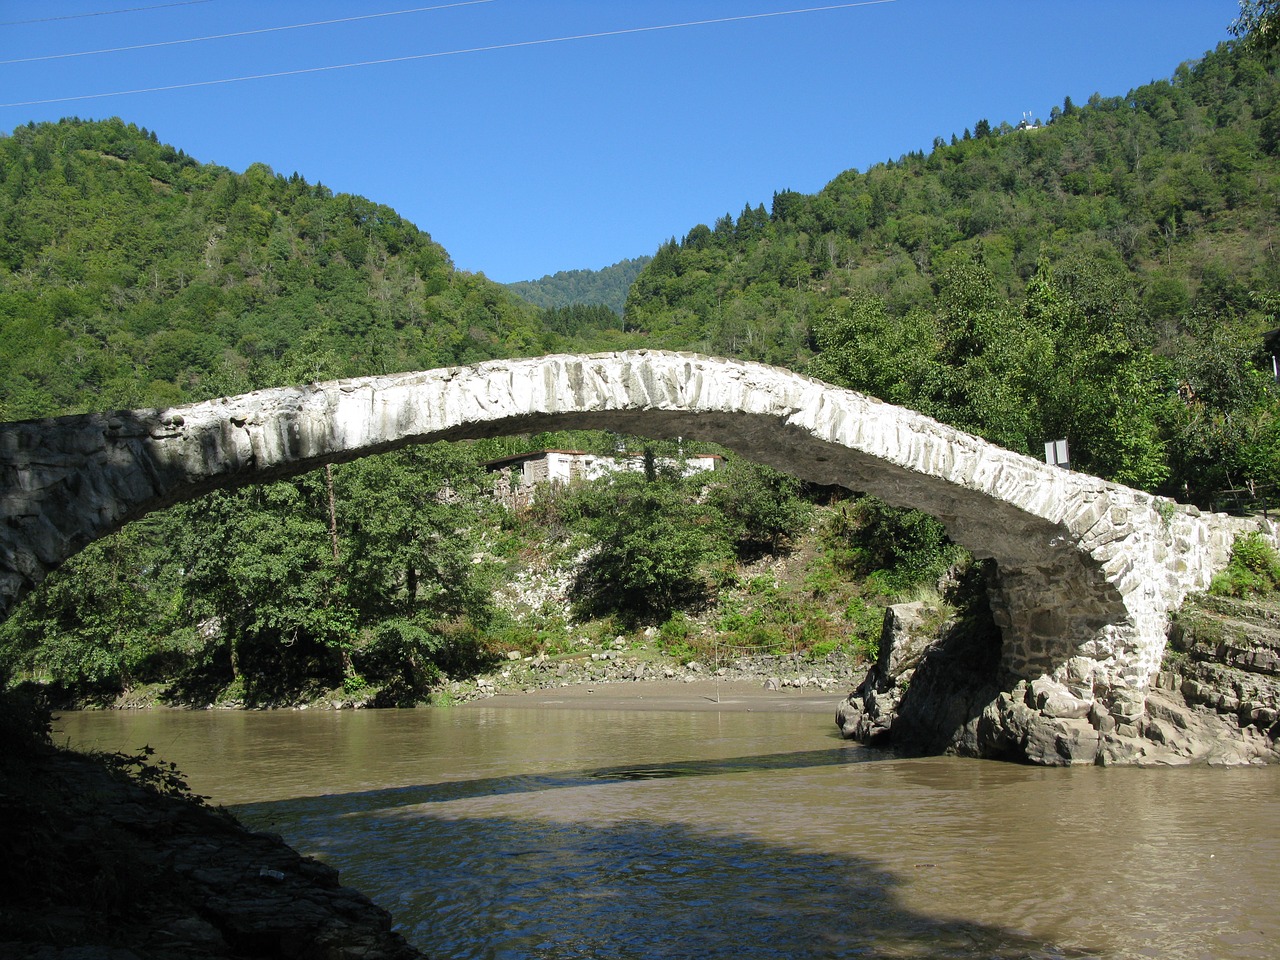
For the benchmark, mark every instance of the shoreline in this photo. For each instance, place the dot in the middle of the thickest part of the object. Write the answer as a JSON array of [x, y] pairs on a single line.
[[630, 678], [727, 696]]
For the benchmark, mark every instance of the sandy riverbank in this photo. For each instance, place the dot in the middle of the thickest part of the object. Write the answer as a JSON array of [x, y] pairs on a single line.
[[730, 696]]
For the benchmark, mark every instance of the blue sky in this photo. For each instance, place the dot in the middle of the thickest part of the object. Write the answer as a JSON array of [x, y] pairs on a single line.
[[525, 157]]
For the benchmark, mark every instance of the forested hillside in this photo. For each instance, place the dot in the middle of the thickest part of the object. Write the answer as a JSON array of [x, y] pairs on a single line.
[[132, 275], [1105, 276], [607, 287]]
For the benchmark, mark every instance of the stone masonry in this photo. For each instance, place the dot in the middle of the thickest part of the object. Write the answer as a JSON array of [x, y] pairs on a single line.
[[1088, 571]]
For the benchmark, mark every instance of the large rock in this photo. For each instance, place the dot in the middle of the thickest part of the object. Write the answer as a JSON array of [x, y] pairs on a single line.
[[869, 713], [927, 693], [932, 678]]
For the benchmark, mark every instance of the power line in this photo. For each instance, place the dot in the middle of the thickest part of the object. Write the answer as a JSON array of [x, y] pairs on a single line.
[[100, 13], [240, 33], [444, 53]]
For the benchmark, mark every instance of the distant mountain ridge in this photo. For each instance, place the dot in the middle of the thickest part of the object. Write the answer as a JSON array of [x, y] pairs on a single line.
[[566, 288]]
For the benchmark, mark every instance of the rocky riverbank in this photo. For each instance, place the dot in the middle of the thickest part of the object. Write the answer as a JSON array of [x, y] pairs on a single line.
[[1217, 700], [618, 660], [100, 866], [621, 663]]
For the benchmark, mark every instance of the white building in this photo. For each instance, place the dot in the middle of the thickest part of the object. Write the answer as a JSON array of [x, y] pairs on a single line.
[[517, 475]]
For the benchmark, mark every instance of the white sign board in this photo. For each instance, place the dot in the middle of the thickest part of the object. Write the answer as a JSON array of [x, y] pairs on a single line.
[[1055, 453]]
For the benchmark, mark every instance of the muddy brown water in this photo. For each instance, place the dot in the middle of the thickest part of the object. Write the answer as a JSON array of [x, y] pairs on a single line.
[[666, 824]]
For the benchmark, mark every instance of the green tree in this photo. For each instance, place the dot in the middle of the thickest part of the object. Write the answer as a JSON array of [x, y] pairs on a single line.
[[652, 542], [408, 543], [260, 562], [760, 507], [107, 620], [901, 548], [864, 347], [1258, 24]]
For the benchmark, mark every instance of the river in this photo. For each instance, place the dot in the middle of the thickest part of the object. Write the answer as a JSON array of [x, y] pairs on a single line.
[[740, 829]]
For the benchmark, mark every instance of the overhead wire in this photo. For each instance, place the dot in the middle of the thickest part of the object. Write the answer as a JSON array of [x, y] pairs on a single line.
[[241, 33], [101, 13], [164, 88]]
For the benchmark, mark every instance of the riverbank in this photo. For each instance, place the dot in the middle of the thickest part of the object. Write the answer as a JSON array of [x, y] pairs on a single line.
[[98, 865], [614, 668], [641, 676], [727, 696]]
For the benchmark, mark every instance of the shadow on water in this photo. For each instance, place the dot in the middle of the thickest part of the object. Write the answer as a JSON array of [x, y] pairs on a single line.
[[391, 797], [496, 887], [487, 886]]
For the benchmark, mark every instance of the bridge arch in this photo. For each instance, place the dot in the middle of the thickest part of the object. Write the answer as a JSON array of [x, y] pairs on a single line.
[[1087, 570]]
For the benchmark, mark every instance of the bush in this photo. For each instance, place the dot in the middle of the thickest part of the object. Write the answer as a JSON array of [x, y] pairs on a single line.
[[401, 656], [895, 549], [676, 637], [652, 542], [1254, 569], [865, 624], [760, 508]]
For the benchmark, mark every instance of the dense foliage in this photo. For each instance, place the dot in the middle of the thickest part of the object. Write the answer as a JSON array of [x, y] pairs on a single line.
[[365, 575], [1106, 277], [1258, 25], [607, 287]]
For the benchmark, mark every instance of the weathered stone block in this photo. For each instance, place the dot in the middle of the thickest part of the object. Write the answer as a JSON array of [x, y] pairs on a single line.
[[1053, 699], [1060, 742], [1127, 705]]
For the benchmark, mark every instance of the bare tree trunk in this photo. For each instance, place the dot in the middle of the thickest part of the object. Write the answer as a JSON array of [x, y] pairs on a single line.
[[348, 668], [333, 513]]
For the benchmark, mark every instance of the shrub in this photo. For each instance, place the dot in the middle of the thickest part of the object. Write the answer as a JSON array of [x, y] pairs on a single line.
[[652, 541], [902, 547], [865, 623], [1254, 569]]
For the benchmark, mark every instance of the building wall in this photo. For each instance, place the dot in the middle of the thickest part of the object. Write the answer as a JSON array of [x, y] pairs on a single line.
[[516, 477]]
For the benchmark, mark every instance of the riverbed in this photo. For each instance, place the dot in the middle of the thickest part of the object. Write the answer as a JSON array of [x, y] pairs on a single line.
[[718, 819]]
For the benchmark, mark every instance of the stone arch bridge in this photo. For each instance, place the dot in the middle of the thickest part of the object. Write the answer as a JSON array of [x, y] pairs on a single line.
[[1088, 571]]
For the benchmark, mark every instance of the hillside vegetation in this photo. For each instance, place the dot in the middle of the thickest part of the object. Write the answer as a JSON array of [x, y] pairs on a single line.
[[1107, 276], [606, 287], [132, 275]]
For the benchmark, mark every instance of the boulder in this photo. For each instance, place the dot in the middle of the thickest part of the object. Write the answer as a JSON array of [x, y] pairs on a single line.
[[1054, 699]]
